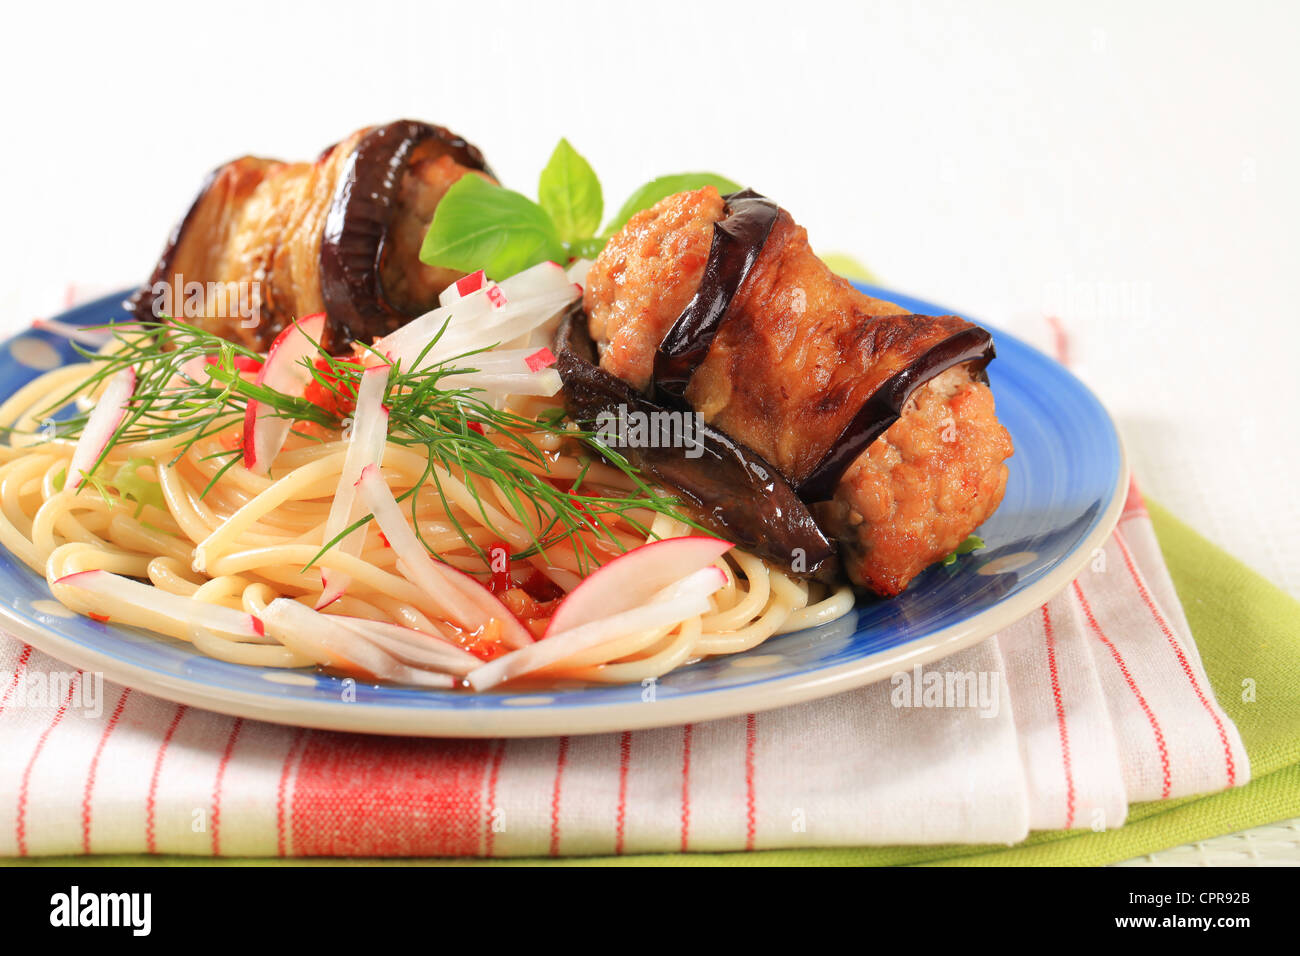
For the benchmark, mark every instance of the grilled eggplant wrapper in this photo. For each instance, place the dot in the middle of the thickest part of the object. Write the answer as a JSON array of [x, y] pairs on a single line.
[[340, 235], [881, 420], [729, 488]]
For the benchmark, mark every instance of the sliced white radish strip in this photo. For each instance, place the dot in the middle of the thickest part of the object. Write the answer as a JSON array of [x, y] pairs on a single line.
[[462, 287], [684, 599], [413, 647], [543, 279], [469, 310], [461, 600], [504, 328], [151, 600], [366, 444], [545, 383], [327, 642], [101, 426], [193, 371], [516, 361], [630, 579], [284, 371], [473, 323], [577, 271], [92, 337], [542, 358]]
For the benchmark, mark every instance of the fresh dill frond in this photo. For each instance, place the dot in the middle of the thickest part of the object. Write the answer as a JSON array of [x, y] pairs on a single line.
[[190, 387]]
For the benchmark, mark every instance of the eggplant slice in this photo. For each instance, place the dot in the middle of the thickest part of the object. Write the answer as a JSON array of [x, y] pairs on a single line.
[[727, 487], [880, 420], [266, 242]]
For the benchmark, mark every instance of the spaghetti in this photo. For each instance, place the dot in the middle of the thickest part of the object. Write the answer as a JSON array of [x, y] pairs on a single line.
[[226, 536]]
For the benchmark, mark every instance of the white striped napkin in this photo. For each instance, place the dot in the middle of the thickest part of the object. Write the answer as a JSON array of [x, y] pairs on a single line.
[[1097, 700]]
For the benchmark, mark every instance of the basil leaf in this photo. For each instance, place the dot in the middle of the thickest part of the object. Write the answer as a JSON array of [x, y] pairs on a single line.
[[587, 248], [481, 226], [570, 192], [657, 189]]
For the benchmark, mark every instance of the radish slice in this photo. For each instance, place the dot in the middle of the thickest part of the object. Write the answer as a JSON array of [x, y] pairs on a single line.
[[542, 358], [510, 327], [460, 599], [95, 338], [577, 271], [495, 315], [285, 372], [545, 383], [470, 310], [101, 426], [365, 447], [152, 600], [630, 579], [516, 361], [414, 647], [683, 599], [462, 287], [327, 642], [539, 281]]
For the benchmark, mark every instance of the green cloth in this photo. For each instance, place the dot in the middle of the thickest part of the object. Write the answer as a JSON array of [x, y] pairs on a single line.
[[1246, 629]]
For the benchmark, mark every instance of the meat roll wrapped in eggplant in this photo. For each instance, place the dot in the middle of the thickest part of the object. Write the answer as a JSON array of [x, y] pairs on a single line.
[[882, 420], [340, 235]]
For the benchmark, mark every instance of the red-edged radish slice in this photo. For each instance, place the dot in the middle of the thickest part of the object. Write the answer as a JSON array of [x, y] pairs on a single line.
[[95, 338], [545, 383], [193, 371], [686, 598], [461, 600], [543, 279], [630, 579], [142, 600], [508, 372], [366, 446], [462, 287], [244, 364], [285, 372], [327, 642], [406, 343], [495, 315], [418, 648], [101, 426], [542, 358], [577, 271], [509, 327]]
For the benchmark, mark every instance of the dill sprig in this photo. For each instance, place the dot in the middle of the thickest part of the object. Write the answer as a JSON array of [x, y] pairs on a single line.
[[189, 387]]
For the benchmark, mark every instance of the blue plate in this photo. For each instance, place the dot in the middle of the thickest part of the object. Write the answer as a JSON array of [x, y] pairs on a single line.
[[1063, 497]]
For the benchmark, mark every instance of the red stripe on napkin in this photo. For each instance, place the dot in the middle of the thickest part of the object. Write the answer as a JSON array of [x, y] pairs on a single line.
[[94, 768], [357, 795], [1060, 717], [1166, 775]]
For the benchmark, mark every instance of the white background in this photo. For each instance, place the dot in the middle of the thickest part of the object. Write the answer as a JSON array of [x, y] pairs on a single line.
[[1130, 168]]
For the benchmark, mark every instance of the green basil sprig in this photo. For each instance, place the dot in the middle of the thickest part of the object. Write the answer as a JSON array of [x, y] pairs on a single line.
[[479, 225]]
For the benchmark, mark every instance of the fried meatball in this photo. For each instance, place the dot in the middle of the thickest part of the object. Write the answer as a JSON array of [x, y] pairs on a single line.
[[799, 352], [644, 278]]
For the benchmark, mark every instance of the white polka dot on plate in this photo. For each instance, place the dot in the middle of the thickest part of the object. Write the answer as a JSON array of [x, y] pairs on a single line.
[[35, 353]]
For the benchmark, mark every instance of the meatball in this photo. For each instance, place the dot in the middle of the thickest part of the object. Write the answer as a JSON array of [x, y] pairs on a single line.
[[799, 352], [644, 278], [920, 489]]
